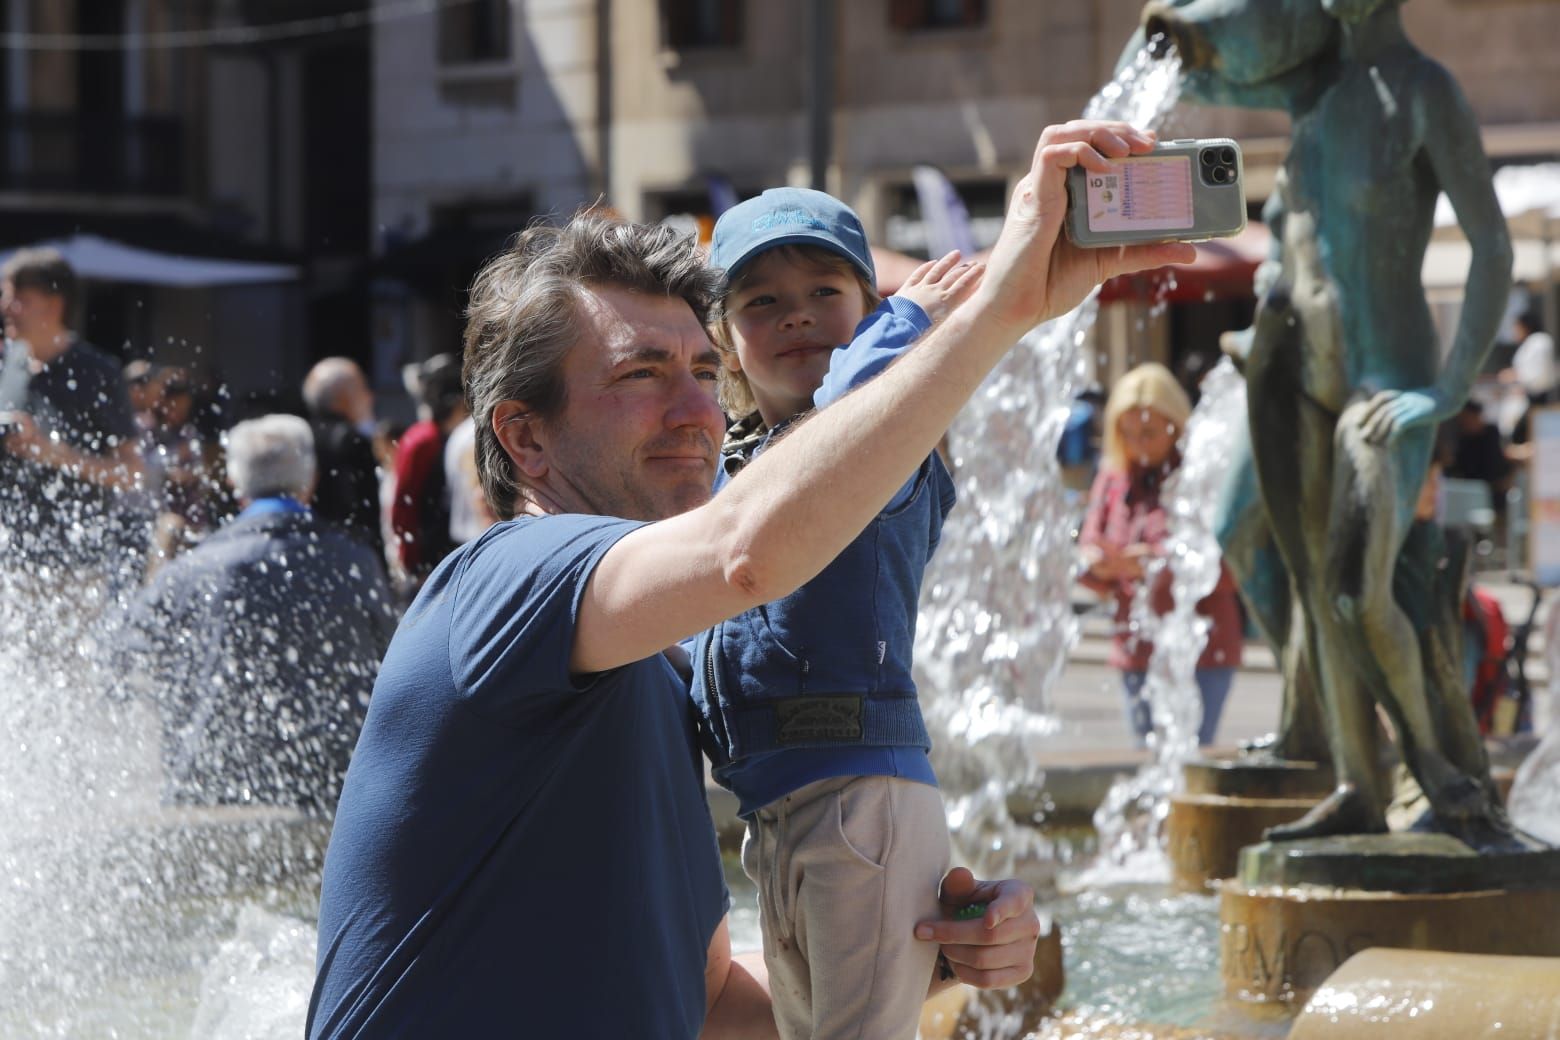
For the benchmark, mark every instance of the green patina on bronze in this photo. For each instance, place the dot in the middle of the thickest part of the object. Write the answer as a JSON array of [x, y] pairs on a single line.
[[1346, 383]]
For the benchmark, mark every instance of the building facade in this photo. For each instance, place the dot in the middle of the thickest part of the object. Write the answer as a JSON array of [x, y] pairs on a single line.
[[220, 147], [661, 108]]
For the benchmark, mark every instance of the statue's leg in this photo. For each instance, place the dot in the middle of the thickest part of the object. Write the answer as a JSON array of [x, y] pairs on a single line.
[[1357, 804], [1246, 540], [1251, 551], [1289, 445], [1372, 512], [1292, 447], [1431, 585], [1303, 732]]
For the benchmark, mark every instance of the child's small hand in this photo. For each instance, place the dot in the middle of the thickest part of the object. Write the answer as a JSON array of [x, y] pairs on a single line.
[[939, 286], [994, 950]]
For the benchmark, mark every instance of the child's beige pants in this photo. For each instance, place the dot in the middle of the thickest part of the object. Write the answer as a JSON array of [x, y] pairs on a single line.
[[845, 868]]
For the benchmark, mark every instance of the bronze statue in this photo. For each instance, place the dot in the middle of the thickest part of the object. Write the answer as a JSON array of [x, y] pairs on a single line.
[[1347, 384]]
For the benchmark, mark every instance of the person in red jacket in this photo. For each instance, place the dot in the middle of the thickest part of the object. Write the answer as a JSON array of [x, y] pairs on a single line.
[[420, 508], [1126, 526]]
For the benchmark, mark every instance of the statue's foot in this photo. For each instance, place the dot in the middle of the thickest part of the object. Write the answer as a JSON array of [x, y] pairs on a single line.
[[1265, 748], [1269, 748], [1345, 811], [1282, 747], [1488, 830], [1455, 795]]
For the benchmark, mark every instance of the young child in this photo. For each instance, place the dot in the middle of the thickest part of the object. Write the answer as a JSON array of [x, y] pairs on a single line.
[[809, 701]]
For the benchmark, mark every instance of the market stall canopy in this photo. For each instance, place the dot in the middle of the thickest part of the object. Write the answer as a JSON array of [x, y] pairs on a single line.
[[104, 259], [1447, 262], [1529, 197]]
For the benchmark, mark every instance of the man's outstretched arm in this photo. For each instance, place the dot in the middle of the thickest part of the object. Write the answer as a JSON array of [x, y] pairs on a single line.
[[781, 520]]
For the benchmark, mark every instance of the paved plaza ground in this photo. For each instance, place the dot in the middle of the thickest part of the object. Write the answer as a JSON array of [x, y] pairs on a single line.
[[1088, 697]]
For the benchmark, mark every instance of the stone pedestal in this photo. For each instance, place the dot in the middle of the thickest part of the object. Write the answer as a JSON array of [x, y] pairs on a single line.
[[1286, 924], [1226, 805]]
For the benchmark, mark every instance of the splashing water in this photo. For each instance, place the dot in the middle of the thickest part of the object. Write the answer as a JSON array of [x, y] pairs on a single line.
[[996, 623], [115, 900], [1130, 821]]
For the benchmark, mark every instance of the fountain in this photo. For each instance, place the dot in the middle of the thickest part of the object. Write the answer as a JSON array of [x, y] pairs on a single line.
[[123, 913], [996, 622]]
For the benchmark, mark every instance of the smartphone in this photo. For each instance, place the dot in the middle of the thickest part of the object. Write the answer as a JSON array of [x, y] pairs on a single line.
[[1182, 191]]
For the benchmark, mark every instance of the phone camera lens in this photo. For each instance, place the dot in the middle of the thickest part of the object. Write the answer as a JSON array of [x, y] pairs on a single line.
[[1220, 175], [1209, 157], [1227, 156]]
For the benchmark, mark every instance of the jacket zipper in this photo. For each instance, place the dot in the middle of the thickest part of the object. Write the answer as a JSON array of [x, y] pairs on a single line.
[[709, 670]]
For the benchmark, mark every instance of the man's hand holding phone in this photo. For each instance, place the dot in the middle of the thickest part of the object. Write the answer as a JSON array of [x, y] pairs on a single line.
[[1181, 191], [1034, 274]]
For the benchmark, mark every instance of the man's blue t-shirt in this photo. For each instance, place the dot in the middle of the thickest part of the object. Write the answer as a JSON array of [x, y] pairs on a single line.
[[518, 851]]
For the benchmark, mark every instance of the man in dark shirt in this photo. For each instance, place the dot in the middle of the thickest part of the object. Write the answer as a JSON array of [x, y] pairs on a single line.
[[341, 410], [260, 644], [1479, 454], [69, 440]]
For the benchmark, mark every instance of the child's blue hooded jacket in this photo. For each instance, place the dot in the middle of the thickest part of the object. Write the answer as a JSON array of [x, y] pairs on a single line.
[[818, 684]]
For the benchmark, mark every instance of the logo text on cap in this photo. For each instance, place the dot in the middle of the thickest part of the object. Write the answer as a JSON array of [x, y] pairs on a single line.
[[788, 218]]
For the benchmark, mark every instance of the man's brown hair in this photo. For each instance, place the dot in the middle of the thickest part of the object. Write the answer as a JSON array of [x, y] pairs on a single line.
[[523, 316], [43, 269]]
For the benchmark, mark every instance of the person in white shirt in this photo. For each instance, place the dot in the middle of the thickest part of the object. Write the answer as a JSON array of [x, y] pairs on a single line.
[[1533, 365]]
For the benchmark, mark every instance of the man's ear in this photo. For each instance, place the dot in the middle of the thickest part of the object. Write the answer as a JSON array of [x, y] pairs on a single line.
[[730, 361], [520, 434]]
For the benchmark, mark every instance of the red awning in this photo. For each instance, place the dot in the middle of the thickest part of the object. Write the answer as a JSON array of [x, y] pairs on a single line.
[[1223, 270]]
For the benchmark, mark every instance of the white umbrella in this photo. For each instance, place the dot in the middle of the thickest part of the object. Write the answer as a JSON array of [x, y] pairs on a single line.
[[106, 260]]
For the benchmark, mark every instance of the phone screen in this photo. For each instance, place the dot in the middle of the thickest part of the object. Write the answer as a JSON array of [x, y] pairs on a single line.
[[1151, 193]]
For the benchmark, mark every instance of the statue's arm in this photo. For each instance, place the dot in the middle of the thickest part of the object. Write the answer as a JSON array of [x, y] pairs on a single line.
[[1451, 143]]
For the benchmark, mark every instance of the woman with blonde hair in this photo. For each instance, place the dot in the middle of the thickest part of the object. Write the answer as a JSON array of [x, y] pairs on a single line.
[[1126, 526]]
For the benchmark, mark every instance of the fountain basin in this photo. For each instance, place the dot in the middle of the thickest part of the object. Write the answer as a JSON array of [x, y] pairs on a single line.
[[1420, 995], [1281, 944]]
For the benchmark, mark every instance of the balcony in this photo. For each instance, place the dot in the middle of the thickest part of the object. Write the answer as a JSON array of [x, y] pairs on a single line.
[[69, 152]]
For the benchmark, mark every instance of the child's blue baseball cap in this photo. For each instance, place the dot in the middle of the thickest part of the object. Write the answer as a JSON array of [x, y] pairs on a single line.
[[789, 216]]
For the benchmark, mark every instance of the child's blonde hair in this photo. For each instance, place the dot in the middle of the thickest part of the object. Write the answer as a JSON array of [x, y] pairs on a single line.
[[736, 395], [1148, 386]]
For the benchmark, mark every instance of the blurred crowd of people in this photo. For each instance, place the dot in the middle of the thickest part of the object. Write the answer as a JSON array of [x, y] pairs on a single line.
[[249, 578], [1122, 449], [1490, 441]]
